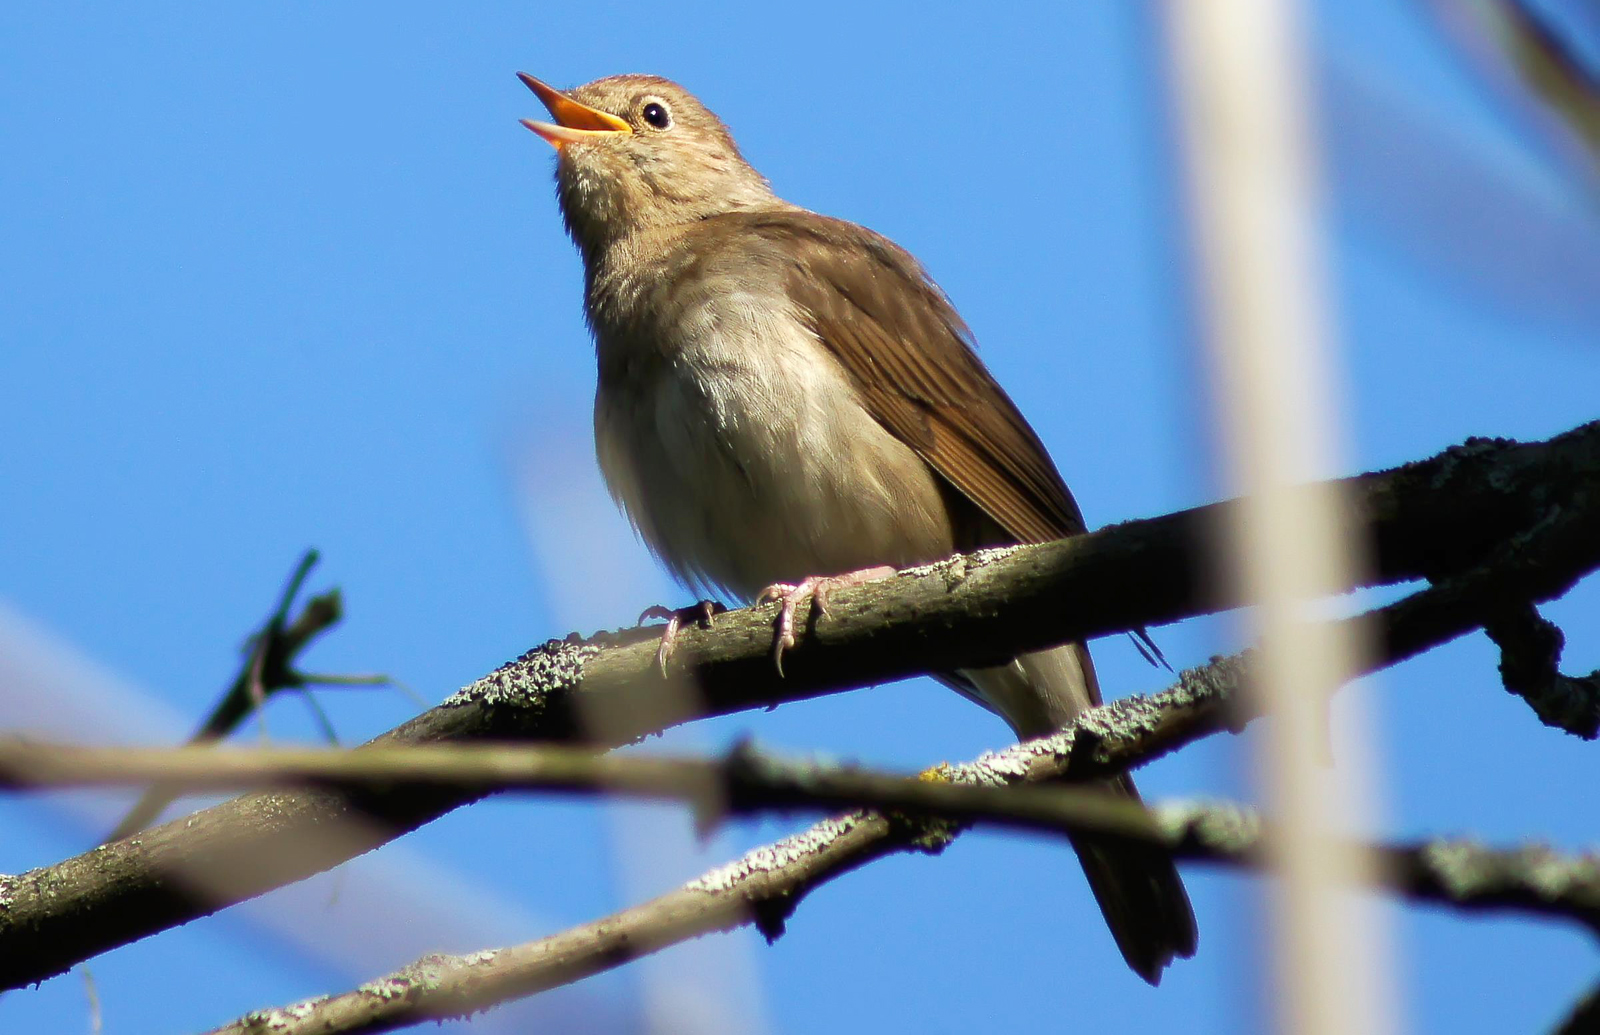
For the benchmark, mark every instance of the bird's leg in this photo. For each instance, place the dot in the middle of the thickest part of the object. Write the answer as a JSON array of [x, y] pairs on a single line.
[[818, 588], [703, 612]]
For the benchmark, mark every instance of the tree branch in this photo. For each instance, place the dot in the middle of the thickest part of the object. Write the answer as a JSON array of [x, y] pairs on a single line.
[[748, 781], [1427, 519], [772, 879], [765, 886], [1530, 651], [1584, 1017], [268, 667]]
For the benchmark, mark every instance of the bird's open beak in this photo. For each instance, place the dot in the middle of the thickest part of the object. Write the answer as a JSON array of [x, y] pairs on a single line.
[[575, 123]]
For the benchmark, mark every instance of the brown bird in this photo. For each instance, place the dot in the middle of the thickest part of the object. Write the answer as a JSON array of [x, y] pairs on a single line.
[[787, 401]]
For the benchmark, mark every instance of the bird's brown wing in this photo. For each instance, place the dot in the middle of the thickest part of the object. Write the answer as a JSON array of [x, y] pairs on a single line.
[[911, 357]]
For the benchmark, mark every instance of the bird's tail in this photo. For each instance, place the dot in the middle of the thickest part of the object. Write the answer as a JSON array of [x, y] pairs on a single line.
[[1138, 888], [1142, 897]]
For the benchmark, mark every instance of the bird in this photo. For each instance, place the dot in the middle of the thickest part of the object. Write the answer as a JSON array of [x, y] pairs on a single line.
[[786, 403]]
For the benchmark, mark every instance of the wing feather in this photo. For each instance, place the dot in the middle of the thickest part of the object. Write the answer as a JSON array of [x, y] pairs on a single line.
[[912, 359]]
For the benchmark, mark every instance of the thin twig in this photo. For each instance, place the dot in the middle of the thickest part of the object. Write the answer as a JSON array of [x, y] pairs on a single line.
[[268, 668], [92, 995]]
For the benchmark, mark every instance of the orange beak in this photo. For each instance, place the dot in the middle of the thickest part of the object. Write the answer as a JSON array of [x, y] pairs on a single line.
[[575, 123]]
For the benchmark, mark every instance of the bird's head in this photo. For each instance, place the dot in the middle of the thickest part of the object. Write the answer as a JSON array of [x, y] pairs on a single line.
[[638, 152]]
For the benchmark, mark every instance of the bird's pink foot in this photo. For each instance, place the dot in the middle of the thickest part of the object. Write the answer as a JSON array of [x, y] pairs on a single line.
[[818, 588], [703, 612]]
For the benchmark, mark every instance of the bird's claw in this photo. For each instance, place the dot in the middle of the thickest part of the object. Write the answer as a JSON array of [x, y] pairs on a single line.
[[789, 594], [819, 588], [704, 612]]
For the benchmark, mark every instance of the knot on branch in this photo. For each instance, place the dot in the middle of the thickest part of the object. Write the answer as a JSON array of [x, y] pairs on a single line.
[[1530, 656]]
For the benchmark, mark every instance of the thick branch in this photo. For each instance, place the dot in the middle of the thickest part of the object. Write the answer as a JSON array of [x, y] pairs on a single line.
[[1424, 520]]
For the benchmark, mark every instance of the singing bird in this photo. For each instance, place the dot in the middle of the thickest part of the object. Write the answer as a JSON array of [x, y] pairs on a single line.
[[787, 402]]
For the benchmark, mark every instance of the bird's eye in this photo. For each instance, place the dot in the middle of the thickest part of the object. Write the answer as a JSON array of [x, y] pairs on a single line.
[[656, 114]]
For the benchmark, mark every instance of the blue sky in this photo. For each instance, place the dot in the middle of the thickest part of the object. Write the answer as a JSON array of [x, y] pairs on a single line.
[[292, 275]]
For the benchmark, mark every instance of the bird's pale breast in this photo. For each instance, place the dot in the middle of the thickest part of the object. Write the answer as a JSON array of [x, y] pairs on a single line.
[[740, 450]]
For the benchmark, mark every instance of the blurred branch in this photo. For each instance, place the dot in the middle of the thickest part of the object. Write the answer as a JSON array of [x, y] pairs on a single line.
[[1548, 66], [1241, 91], [268, 667], [92, 994], [1584, 1018], [766, 885], [746, 781], [1528, 508]]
